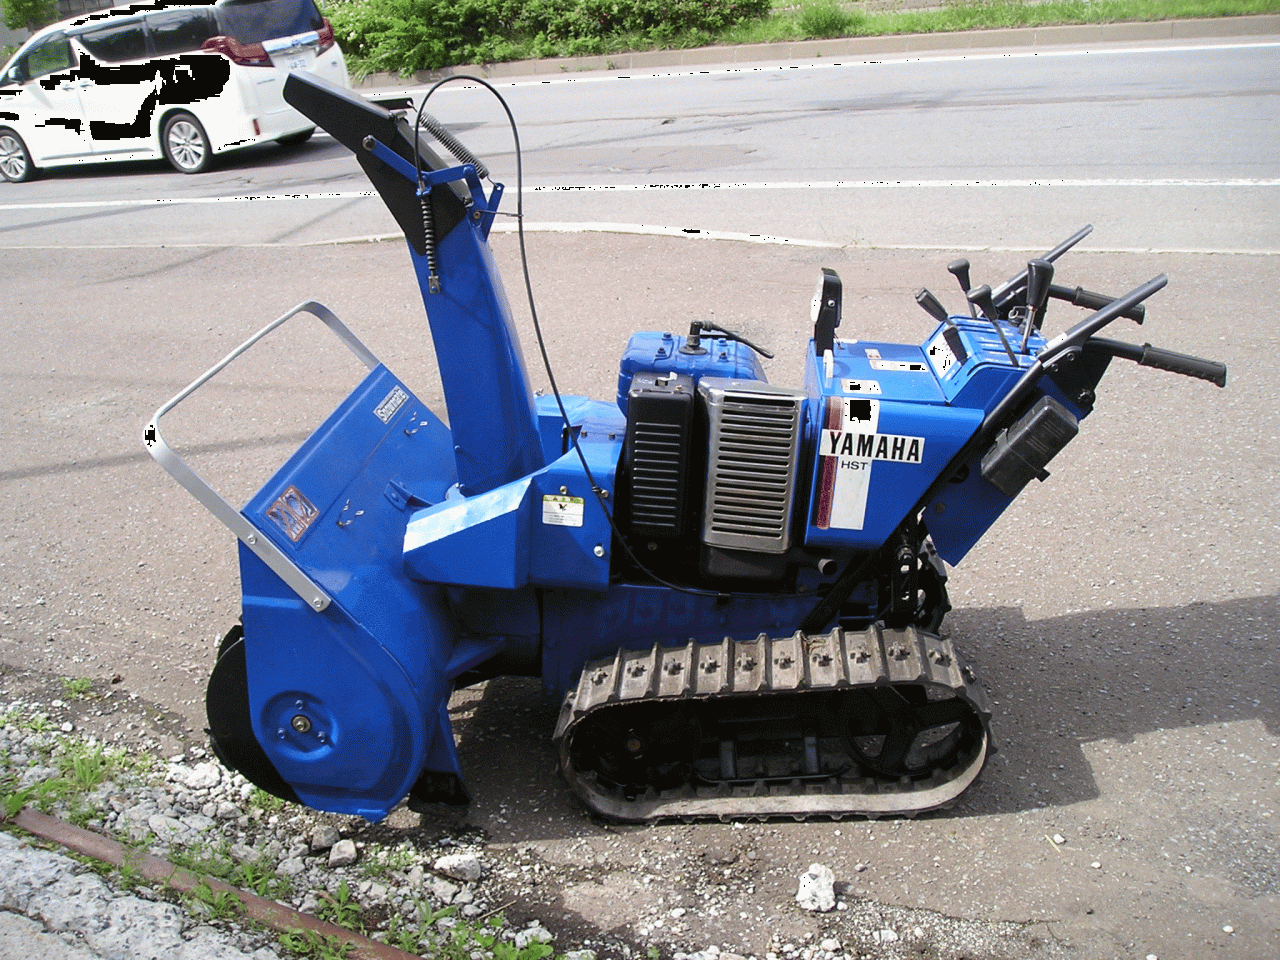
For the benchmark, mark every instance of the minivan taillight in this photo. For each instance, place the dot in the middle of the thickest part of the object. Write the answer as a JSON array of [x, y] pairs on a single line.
[[245, 54], [326, 37]]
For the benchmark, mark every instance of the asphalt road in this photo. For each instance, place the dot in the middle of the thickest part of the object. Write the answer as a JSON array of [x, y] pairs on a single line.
[[1122, 615]]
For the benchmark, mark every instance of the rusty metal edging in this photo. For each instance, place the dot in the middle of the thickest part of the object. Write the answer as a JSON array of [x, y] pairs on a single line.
[[260, 909]]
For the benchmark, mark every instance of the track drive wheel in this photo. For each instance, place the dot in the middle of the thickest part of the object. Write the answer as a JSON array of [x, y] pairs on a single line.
[[645, 745], [230, 732], [898, 731]]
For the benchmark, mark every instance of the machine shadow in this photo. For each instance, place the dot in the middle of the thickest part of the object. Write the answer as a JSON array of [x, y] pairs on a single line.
[[1055, 686]]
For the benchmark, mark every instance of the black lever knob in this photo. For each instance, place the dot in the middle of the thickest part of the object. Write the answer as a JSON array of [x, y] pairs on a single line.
[[982, 297], [960, 270], [1039, 278], [932, 305]]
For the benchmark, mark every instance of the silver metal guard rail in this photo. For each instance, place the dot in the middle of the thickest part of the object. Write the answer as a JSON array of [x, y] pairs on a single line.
[[249, 534]]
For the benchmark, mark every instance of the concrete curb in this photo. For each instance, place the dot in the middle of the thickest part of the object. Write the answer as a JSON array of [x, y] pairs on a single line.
[[1171, 30]]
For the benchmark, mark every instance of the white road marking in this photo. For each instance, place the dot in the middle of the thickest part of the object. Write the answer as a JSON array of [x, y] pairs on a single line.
[[855, 60], [663, 187], [647, 229]]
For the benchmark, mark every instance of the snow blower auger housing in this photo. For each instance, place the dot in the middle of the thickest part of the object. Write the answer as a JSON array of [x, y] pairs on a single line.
[[735, 587]]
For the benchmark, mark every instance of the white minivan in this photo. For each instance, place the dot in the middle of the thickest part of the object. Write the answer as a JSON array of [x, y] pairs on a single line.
[[159, 80]]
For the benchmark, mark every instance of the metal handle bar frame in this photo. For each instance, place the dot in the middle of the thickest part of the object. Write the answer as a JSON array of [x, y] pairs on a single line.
[[245, 530]]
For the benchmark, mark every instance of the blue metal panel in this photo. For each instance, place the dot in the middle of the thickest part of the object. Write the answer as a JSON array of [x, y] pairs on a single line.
[[656, 352], [958, 517], [978, 374], [551, 425], [869, 473], [548, 529], [486, 385], [898, 371], [480, 541], [572, 537], [366, 674]]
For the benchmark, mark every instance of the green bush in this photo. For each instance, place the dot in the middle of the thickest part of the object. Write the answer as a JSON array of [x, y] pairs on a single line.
[[826, 18], [402, 36]]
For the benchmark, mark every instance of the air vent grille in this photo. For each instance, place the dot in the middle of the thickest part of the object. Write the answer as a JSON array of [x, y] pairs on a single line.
[[751, 469], [657, 476]]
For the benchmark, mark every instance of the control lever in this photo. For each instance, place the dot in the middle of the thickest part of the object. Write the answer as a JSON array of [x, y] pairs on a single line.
[[1009, 290], [960, 270], [825, 312], [982, 297], [1064, 343], [933, 306], [1039, 279], [693, 345]]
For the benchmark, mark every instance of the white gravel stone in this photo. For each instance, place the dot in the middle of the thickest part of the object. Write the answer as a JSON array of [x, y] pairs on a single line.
[[817, 889], [533, 934], [885, 936], [324, 837], [460, 866], [293, 867], [61, 897], [202, 776], [442, 890], [168, 829], [343, 854], [226, 810]]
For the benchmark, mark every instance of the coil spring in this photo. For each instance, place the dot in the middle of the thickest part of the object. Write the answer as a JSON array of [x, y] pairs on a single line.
[[429, 236], [452, 144]]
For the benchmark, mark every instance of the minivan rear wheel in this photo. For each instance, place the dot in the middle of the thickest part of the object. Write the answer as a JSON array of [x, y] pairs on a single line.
[[15, 159], [186, 145]]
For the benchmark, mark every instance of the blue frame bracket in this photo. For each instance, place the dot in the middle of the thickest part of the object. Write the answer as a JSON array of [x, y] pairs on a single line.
[[483, 208]]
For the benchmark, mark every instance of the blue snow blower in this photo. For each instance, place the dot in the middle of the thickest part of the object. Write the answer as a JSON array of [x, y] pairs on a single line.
[[735, 588]]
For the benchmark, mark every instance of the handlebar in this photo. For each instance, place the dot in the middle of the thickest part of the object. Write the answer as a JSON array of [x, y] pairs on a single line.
[[1009, 291], [1169, 360], [1081, 297], [1086, 328]]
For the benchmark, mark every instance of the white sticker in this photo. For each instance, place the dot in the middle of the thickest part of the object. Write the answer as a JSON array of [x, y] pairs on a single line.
[[861, 386], [899, 366], [942, 357], [559, 511], [390, 404], [849, 444], [872, 446], [844, 480]]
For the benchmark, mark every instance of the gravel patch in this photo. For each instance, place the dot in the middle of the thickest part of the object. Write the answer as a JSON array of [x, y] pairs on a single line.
[[441, 887]]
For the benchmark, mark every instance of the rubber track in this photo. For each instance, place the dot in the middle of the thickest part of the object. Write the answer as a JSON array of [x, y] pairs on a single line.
[[769, 667]]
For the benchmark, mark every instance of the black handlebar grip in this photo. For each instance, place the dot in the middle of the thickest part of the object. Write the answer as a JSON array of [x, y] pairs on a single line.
[[1188, 366], [1080, 297]]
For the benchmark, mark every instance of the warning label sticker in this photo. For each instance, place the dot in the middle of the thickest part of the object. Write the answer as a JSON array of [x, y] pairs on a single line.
[[942, 357], [561, 511], [861, 386]]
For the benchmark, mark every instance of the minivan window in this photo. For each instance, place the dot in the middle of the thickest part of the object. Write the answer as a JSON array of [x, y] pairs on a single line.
[[51, 56], [179, 31], [254, 21], [117, 43]]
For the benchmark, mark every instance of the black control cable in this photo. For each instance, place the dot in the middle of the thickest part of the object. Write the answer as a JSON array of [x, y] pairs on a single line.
[[537, 327]]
